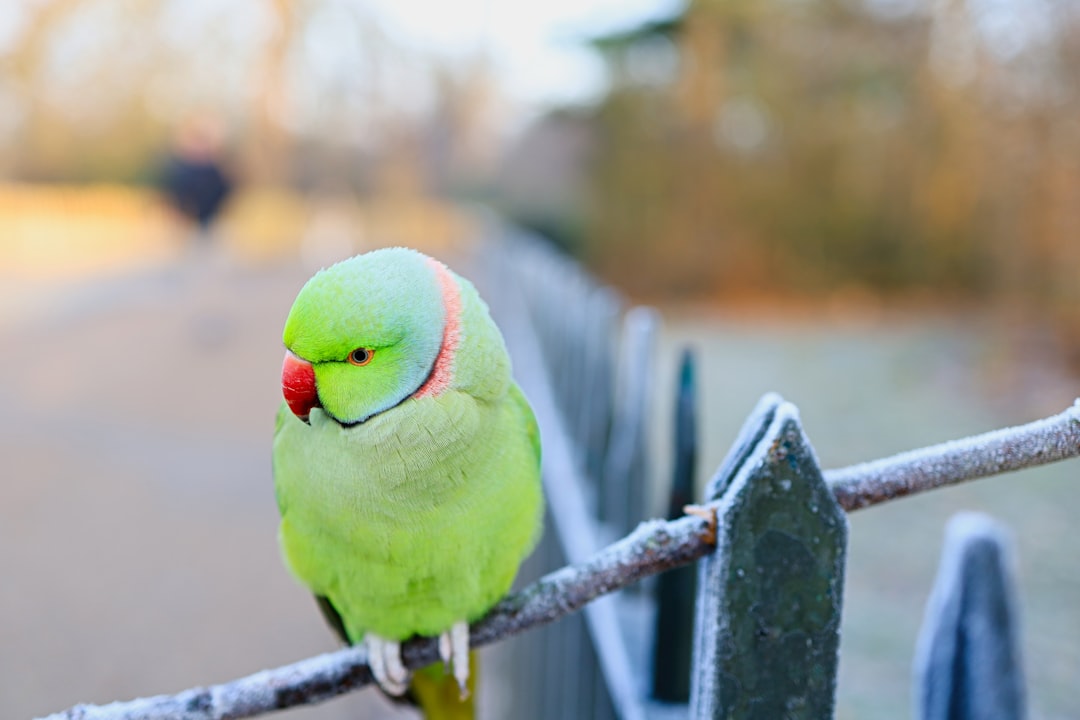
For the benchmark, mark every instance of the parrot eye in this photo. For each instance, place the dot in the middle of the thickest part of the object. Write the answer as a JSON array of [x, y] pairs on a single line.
[[361, 356]]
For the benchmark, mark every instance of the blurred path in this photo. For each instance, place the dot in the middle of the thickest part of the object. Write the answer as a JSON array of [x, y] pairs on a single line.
[[138, 549]]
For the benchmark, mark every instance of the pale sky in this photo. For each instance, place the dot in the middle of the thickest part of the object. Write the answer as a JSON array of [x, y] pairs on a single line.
[[536, 46]]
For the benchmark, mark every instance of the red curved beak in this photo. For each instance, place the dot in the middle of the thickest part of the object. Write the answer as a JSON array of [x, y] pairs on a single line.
[[298, 385]]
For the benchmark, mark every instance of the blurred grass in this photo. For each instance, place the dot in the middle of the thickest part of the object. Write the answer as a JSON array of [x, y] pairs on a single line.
[[63, 232], [68, 232], [873, 387]]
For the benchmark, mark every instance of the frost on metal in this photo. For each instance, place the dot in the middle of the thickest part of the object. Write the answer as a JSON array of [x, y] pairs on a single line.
[[770, 596], [967, 662]]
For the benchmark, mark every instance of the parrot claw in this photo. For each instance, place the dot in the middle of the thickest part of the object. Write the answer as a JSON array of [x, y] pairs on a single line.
[[459, 650], [454, 652], [384, 659], [445, 650]]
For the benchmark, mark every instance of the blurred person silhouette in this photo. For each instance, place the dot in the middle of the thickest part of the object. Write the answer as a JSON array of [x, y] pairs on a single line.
[[194, 179], [196, 184]]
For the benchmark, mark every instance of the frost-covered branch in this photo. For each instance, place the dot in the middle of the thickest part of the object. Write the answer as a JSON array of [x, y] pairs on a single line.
[[653, 547], [1000, 451]]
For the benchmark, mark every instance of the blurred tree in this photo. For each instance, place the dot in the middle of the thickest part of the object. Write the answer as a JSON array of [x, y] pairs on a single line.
[[311, 93], [821, 146]]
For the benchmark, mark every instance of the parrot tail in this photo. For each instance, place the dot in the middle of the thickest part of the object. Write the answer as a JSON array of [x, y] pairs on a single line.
[[433, 689], [436, 692]]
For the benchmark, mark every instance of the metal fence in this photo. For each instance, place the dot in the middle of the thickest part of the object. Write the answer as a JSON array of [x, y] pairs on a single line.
[[759, 636]]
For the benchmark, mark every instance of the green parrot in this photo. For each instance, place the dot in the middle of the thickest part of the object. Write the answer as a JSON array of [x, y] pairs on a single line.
[[406, 462]]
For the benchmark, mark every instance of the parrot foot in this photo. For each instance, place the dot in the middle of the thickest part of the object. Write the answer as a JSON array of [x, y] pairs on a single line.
[[454, 652], [384, 659]]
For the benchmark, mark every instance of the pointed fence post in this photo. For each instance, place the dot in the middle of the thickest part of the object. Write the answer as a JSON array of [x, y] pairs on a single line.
[[967, 663], [675, 588], [769, 598]]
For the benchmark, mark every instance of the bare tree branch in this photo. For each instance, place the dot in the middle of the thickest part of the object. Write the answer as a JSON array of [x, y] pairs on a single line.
[[1037, 443], [653, 547]]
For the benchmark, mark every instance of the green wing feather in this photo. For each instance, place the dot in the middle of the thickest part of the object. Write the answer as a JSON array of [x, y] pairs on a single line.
[[532, 429]]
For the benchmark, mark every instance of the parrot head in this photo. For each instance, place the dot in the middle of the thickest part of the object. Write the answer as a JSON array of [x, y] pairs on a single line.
[[369, 333]]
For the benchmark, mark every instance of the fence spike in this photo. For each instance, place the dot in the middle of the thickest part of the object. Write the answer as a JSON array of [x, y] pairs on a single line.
[[753, 429], [967, 661], [769, 598]]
